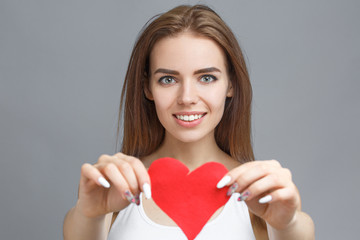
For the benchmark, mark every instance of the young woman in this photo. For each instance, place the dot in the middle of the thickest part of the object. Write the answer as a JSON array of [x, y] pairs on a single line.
[[186, 95]]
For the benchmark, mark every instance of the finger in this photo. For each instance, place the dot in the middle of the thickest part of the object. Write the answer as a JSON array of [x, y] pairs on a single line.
[[262, 186], [140, 171], [104, 158], [112, 172], [90, 172], [232, 175], [129, 175], [287, 196], [246, 168], [276, 178], [268, 198], [123, 167], [247, 176]]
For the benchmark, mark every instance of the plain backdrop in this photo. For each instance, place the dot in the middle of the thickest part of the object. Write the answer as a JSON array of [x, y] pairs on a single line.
[[62, 65]]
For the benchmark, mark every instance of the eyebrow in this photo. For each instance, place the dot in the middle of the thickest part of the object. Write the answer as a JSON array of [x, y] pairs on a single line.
[[166, 71], [173, 72], [207, 70]]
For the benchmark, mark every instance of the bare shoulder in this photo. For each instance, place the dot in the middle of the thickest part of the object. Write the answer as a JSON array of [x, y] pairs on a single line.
[[147, 160], [229, 162]]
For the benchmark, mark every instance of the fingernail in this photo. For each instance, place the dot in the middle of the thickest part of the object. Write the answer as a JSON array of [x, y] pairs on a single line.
[[147, 190], [232, 189], [223, 182], [103, 182], [137, 199], [244, 196], [130, 197], [265, 199]]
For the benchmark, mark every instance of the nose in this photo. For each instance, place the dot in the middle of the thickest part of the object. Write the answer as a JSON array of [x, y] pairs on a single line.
[[187, 93]]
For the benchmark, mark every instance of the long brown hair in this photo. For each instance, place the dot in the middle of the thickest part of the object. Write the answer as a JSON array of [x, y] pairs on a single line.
[[142, 131]]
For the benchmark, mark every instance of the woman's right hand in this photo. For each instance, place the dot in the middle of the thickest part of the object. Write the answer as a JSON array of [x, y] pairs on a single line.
[[111, 184]]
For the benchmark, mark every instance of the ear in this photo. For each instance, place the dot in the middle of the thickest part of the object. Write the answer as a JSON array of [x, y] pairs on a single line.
[[147, 91], [230, 91]]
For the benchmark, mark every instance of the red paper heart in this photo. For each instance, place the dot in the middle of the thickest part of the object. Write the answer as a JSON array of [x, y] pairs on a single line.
[[189, 199]]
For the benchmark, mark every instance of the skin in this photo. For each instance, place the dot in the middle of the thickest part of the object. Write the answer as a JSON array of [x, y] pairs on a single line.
[[187, 74], [188, 91]]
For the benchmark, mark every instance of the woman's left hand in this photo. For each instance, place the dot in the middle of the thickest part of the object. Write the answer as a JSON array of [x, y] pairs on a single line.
[[267, 189]]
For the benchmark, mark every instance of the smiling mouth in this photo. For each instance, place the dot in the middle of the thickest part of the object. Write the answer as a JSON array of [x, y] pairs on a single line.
[[189, 118]]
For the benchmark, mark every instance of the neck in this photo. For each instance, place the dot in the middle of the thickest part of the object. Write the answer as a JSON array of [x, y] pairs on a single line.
[[192, 154]]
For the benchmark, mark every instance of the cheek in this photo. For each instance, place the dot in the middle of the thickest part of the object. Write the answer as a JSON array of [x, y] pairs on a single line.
[[215, 99], [160, 105], [160, 96], [162, 102]]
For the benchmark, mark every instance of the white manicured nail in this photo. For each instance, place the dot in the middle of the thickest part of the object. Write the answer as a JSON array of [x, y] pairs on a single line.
[[103, 182], [223, 182], [265, 199], [147, 190]]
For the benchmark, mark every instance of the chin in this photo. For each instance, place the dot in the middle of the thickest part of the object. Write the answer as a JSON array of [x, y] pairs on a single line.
[[189, 137]]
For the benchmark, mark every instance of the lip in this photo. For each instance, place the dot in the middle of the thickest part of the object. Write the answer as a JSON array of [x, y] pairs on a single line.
[[189, 113], [191, 124]]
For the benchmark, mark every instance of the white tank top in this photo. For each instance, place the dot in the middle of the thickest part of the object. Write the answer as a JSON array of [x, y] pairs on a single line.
[[233, 223]]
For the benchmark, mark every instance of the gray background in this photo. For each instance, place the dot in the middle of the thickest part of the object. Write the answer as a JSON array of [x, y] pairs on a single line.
[[61, 70]]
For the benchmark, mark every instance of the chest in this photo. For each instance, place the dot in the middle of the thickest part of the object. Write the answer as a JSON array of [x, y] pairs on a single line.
[[147, 221], [155, 214]]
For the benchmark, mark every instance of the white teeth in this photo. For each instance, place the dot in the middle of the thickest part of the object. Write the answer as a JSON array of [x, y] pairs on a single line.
[[189, 118]]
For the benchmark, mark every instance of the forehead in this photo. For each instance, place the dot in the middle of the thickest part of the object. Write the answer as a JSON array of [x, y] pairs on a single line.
[[185, 52]]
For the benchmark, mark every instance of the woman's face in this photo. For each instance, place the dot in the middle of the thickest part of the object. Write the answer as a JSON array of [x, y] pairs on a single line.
[[189, 84]]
